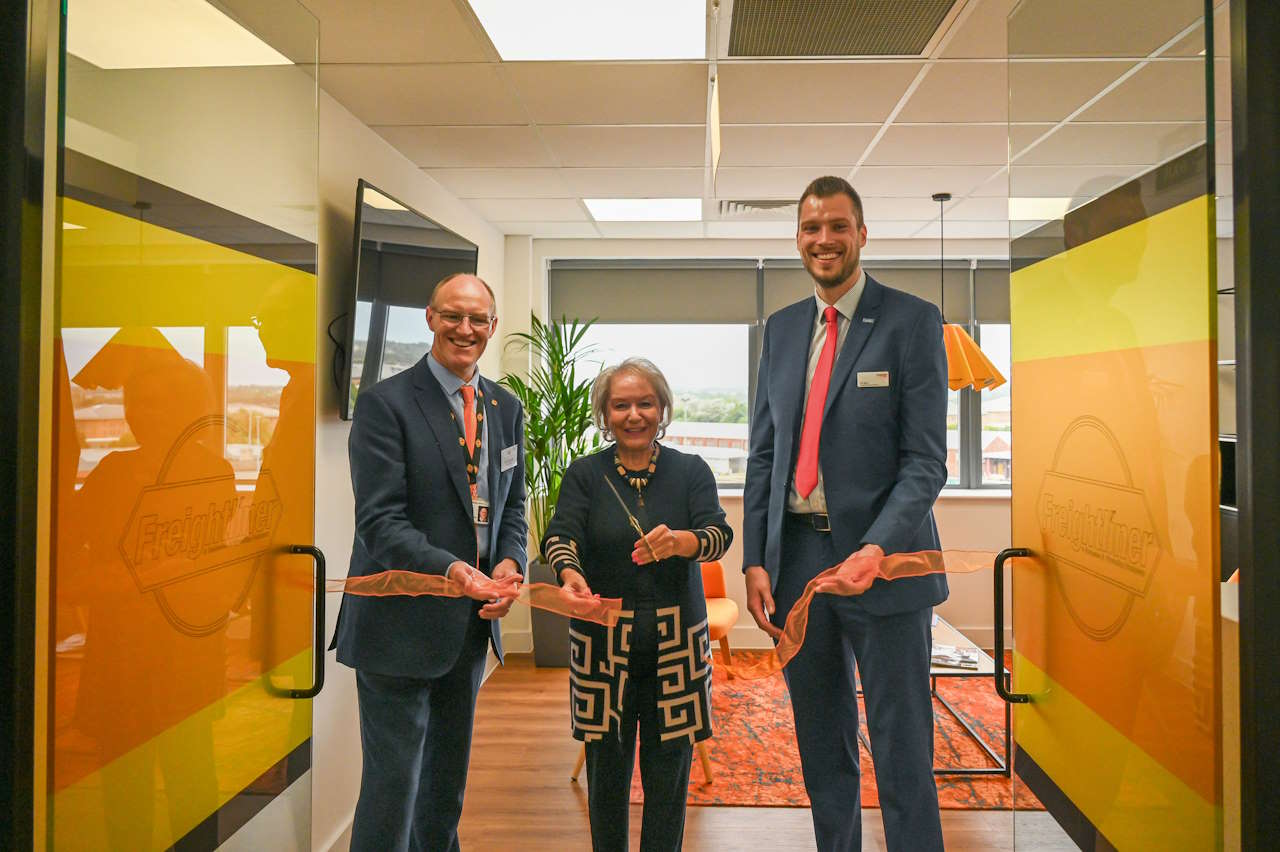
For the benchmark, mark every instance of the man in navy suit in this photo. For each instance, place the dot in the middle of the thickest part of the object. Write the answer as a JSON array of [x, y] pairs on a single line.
[[437, 465], [848, 454]]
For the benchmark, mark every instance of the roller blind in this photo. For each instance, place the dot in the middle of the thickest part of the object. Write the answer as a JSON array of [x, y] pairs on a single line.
[[654, 291]]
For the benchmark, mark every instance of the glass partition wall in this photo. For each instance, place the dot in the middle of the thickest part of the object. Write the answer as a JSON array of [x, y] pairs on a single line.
[[183, 424], [1115, 480]]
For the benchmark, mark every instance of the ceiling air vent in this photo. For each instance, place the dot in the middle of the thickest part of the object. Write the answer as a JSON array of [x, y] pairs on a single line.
[[758, 209], [834, 27]]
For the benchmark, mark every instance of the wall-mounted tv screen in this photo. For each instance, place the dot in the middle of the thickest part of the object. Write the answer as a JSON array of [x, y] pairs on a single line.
[[400, 255]]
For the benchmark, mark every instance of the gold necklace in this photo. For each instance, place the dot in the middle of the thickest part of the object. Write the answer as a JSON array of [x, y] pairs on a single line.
[[638, 481]]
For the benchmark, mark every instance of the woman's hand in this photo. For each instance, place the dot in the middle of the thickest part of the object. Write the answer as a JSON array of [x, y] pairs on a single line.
[[663, 543], [574, 582]]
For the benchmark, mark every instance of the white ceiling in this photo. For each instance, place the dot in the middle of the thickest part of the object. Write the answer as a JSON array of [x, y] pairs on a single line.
[[524, 142]]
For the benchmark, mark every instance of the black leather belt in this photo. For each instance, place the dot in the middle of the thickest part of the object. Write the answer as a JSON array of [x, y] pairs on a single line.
[[820, 521]]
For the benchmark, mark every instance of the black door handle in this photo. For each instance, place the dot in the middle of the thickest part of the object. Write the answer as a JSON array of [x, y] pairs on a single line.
[[1002, 688], [317, 658]]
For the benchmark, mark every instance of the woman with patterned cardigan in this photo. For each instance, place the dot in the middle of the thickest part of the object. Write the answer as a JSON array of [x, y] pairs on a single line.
[[652, 671]]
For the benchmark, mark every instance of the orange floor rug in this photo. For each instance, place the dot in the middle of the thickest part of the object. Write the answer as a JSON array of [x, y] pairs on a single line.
[[755, 762]]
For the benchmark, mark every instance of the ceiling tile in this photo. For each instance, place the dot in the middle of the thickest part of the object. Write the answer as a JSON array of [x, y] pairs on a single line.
[[1163, 90], [530, 209], [752, 230], [953, 144], [920, 207], [1050, 91], [983, 32], [502, 183], [656, 230], [396, 31], [549, 229], [1128, 145], [773, 92], [891, 229], [792, 145], [992, 209], [1096, 27], [765, 183], [961, 229], [960, 92], [634, 146], [1063, 181], [1022, 135], [921, 181], [423, 94], [635, 183], [468, 146], [611, 93]]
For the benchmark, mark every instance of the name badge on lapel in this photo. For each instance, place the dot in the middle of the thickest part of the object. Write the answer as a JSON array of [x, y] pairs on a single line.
[[508, 459], [876, 379]]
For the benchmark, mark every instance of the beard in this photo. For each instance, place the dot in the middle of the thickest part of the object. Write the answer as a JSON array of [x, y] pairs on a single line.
[[836, 278]]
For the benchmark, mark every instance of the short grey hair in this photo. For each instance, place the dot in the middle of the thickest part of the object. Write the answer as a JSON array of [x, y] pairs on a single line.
[[645, 369]]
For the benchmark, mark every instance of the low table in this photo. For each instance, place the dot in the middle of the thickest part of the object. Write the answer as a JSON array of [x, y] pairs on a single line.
[[945, 634]]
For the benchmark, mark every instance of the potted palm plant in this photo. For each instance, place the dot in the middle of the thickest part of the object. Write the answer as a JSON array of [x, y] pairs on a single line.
[[558, 428]]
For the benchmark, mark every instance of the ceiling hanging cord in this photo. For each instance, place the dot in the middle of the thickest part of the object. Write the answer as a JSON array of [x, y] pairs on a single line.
[[967, 365]]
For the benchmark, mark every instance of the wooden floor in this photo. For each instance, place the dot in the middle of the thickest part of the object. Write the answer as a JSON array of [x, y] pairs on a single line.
[[519, 796]]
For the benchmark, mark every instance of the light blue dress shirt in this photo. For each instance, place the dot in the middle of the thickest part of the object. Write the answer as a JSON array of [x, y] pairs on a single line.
[[452, 386]]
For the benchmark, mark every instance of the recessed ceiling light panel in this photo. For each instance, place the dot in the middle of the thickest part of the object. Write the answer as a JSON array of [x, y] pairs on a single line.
[[645, 209], [567, 30]]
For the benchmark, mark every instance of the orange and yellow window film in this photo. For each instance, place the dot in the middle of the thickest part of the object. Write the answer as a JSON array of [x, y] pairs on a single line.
[[184, 447], [1115, 492]]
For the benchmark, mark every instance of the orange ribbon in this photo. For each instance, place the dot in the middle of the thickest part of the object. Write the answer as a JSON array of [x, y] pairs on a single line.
[[539, 595], [852, 577]]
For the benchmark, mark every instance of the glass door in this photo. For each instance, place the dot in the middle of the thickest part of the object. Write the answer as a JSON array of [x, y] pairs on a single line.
[[182, 599], [1115, 470]]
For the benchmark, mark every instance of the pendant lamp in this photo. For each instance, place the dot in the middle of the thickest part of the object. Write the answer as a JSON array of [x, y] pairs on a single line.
[[967, 365]]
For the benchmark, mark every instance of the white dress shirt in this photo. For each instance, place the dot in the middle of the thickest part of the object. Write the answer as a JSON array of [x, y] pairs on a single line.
[[845, 307]]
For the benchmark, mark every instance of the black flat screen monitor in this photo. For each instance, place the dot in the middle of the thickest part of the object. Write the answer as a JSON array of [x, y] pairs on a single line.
[[400, 255]]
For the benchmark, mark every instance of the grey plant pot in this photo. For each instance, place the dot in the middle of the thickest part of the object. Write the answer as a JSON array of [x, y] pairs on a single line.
[[550, 631]]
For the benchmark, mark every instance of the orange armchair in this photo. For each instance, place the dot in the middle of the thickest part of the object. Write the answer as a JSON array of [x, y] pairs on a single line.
[[722, 612]]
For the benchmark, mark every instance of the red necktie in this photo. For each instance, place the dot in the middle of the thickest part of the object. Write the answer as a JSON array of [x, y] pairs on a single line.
[[810, 435]]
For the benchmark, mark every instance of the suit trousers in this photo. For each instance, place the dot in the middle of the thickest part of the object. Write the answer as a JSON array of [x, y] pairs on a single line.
[[416, 740], [892, 655], [664, 767]]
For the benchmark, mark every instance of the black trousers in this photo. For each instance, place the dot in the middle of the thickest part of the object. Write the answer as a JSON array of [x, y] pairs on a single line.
[[892, 654], [664, 767], [416, 739]]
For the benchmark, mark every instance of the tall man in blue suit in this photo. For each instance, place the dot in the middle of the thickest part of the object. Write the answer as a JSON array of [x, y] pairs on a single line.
[[848, 454], [437, 465]]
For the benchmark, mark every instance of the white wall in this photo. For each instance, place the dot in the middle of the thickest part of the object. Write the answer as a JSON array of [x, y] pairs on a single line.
[[348, 151]]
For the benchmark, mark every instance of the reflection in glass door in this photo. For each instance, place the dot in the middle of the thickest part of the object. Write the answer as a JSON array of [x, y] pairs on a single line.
[[1115, 467], [184, 429]]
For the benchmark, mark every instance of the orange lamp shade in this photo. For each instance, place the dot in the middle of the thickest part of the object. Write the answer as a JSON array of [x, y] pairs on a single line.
[[966, 363]]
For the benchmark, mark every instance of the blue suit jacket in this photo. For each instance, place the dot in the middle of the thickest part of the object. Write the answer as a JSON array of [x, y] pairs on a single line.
[[883, 450], [413, 512]]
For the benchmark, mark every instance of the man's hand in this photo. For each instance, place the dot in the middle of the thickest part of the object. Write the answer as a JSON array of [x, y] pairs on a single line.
[[854, 575], [760, 599], [663, 543], [506, 571], [477, 586], [574, 582]]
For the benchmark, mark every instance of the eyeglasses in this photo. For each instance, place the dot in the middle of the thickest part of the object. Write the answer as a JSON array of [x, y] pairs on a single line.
[[476, 320]]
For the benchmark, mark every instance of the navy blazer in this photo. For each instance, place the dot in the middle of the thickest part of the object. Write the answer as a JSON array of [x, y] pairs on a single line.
[[413, 512], [883, 450]]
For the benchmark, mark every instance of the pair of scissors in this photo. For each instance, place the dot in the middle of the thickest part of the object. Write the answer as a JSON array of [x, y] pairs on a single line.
[[631, 519]]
